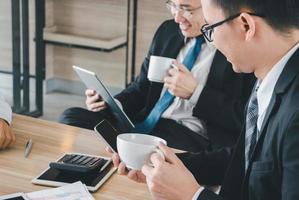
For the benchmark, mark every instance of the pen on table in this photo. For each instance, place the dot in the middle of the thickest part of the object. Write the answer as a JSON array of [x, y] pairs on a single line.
[[28, 147]]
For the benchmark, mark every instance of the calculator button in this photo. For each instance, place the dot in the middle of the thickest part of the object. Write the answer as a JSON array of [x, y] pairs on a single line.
[[100, 163], [87, 160], [67, 158], [75, 159], [80, 160], [95, 161]]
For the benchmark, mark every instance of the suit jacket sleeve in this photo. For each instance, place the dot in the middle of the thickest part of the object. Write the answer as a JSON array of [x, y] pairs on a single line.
[[209, 195], [208, 167], [290, 161], [227, 111]]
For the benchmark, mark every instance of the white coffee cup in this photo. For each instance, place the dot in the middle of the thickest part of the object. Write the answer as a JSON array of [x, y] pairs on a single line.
[[135, 149], [158, 68]]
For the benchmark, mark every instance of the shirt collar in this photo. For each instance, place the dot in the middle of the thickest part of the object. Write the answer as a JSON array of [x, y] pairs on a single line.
[[267, 85]]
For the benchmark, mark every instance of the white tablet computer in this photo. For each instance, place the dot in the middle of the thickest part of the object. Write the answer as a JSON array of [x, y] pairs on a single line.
[[16, 196], [93, 180], [91, 81]]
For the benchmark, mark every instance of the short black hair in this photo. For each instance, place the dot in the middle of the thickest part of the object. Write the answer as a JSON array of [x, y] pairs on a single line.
[[281, 15]]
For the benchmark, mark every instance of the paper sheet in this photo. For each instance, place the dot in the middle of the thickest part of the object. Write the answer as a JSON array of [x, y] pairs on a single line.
[[75, 191]]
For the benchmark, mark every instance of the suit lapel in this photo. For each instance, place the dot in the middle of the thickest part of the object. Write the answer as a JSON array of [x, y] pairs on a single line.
[[173, 45]]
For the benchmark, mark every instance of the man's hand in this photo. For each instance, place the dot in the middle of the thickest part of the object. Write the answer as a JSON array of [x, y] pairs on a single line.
[[169, 178], [134, 175], [94, 101], [7, 138], [180, 82]]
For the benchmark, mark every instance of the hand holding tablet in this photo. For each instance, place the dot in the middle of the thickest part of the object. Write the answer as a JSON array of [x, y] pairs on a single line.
[[91, 81]]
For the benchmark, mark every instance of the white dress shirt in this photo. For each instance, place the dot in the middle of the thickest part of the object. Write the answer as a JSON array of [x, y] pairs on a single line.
[[265, 92], [5, 110], [181, 109]]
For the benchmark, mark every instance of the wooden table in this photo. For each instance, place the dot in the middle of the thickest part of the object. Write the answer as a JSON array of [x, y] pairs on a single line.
[[50, 141]]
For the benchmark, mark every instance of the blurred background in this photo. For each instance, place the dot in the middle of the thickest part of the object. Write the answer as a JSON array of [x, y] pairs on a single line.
[[40, 41]]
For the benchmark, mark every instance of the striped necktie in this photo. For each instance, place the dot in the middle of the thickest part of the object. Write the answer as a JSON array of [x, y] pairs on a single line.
[[251, 133], [165, 101]]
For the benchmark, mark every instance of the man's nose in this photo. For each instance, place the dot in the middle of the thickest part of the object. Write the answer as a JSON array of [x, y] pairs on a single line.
[[178, 17]]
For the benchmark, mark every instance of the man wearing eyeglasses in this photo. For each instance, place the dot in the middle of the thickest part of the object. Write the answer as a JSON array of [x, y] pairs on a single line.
[[208, 97], [7, 138], [263, 38]]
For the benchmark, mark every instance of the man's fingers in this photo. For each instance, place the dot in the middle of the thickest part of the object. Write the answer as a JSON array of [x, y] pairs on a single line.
[[168, 153], [173, 71], [13, 139], [115, 159], [93, 99], [156, 159], [108, 149], [90, 93], [2, 138], [168, 80], [181, 67], [98, 109], [8, 139], [147, 170], [122, 170], [132, 174], [136, 175], [98, 105]]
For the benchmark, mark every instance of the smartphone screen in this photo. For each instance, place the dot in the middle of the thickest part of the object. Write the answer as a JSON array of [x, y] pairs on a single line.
[[107, 132]]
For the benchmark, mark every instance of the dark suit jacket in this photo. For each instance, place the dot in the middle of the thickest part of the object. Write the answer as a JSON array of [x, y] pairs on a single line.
[[273, 172], [221, 104]]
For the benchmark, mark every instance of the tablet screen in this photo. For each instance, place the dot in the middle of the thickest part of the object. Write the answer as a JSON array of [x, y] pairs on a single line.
[[90, 179]]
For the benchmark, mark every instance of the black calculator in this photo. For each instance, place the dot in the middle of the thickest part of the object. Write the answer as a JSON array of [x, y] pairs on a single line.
[[80, 163]]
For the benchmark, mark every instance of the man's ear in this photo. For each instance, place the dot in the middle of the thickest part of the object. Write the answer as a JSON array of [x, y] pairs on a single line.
[[249, 25]]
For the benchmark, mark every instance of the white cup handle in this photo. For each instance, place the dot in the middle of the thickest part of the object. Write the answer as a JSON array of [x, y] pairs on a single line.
[[158, 151]]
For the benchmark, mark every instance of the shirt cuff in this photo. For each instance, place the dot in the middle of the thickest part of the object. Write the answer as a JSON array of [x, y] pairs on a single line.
[[197, 193], [194, 98], [5, 112]]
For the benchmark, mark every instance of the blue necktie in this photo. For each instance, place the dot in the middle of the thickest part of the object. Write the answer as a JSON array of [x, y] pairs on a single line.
[[165, 101], [251, 133]]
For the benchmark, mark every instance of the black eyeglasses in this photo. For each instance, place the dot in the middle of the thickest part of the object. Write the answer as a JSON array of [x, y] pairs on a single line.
[[185, 12], [207, 30]]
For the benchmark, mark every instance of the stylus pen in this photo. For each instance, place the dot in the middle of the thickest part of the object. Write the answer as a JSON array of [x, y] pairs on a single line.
[[28, 147]]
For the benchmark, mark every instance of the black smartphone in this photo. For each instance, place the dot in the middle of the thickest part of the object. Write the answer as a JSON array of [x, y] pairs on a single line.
[[108, 133]]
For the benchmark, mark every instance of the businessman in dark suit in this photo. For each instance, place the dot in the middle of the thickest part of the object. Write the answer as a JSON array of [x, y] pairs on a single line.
[[264, 164], [209, 100]]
